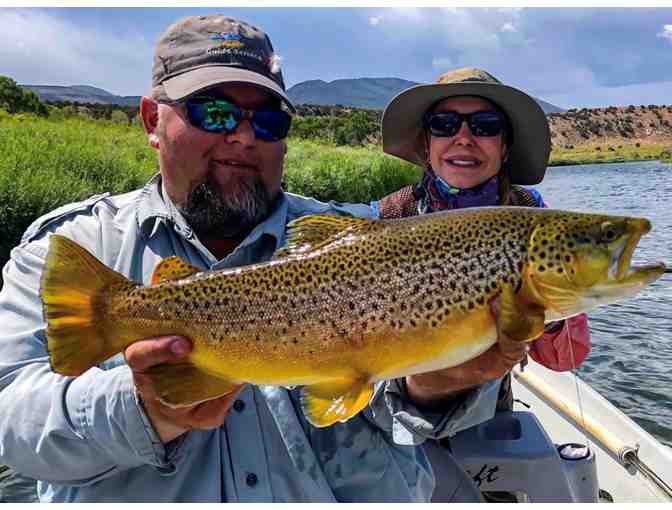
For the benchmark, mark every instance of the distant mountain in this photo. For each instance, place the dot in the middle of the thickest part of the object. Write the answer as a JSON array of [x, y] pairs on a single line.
[[372, 93], [548, 107], [81, 94]]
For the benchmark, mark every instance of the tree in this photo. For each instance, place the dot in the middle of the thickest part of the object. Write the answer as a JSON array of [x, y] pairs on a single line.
[[15, 99]]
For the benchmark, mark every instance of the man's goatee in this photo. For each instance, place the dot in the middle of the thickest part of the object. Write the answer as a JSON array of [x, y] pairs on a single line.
[[213, 213]]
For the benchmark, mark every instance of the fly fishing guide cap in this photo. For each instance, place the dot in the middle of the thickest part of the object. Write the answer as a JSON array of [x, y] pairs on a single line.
[[199, 52], [530, 137]]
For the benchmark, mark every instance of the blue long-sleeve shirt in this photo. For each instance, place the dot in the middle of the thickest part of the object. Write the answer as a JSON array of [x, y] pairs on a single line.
[[89, 439]]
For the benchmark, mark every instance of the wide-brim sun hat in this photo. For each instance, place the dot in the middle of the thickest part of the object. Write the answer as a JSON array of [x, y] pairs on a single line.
[[403, 129]]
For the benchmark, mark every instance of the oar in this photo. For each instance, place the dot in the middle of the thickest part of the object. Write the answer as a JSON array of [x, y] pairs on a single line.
[[625, 455]]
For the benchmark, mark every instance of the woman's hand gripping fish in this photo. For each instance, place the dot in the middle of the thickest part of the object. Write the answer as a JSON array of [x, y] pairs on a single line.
[[347, 302]]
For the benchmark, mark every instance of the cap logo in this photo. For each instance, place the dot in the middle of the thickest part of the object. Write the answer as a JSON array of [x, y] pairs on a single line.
[[274, 63], [227, 40]]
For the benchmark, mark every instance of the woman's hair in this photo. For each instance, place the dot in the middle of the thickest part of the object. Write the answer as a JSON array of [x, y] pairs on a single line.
[[504, 185]]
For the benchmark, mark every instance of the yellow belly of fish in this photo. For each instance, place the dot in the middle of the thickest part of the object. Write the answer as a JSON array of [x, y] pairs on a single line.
[[384, 355]]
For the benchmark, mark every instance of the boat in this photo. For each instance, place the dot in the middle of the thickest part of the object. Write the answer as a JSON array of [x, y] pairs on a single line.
[[563, 442]]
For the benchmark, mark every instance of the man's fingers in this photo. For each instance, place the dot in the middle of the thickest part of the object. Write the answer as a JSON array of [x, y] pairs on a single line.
[[144, 354]]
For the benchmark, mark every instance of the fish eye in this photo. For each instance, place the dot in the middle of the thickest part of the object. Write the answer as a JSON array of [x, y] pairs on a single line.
[[610, 232]]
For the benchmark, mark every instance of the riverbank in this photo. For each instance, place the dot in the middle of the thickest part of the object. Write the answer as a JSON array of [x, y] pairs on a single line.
[[595, 153]]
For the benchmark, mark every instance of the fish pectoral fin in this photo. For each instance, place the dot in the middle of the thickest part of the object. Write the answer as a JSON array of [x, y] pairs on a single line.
[[315, 231], [173, 268], [327, 403], [520, 320], [183, 384], [562, 301]]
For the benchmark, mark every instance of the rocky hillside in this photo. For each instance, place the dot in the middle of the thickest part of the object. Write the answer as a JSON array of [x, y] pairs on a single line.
[[630, 124]]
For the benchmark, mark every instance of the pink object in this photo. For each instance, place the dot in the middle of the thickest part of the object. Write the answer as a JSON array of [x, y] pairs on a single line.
[[554, 350]]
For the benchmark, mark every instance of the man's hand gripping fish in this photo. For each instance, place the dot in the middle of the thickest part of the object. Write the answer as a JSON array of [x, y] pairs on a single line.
[[347, 302]]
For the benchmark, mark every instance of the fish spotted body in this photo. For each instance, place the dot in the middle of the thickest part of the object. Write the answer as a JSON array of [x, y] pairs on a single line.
[[348, 302]]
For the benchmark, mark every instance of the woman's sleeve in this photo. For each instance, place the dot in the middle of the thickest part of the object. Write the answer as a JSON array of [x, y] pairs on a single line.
[[565, 348]]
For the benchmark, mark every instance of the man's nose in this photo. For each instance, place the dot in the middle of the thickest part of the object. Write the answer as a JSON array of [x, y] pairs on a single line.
[[243, 134]]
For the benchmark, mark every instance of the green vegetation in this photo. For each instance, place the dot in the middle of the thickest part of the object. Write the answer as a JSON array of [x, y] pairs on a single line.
[[666, 155], [45, 163], [357, 128], [15, 99], [69, 156], [345, 174], [610, 152]]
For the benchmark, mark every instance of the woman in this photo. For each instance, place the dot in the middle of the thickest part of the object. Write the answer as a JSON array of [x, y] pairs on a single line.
[[477, 141]]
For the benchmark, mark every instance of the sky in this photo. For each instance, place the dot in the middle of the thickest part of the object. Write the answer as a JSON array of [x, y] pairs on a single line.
[[570, 57]]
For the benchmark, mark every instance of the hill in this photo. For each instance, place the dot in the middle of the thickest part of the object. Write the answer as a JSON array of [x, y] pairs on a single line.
[[83, 94], [632, 124], [370, 93], [373, 93], [367, 93]]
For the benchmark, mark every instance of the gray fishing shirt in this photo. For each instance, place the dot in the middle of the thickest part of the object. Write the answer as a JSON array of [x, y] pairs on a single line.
[[89, 439]]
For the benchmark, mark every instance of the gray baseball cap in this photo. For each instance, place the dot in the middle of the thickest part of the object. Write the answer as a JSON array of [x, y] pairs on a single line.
[[199, 52]]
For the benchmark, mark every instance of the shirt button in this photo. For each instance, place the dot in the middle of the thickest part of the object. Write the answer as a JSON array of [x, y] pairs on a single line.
[[251, 479], [239, 405]]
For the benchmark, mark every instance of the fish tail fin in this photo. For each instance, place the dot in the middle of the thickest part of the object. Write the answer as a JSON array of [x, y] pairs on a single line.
[[72, 285]]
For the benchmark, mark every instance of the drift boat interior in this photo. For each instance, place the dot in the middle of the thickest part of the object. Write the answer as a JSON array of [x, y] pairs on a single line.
[[563, 442]]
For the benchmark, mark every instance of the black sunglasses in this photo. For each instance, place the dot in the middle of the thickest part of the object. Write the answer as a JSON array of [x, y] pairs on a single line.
[[443, 124], [217, 115]]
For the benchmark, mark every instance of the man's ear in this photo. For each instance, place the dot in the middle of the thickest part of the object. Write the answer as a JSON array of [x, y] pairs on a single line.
[[149, 111]]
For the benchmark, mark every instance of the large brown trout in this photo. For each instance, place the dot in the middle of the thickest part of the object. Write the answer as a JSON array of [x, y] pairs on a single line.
[[347, 302]]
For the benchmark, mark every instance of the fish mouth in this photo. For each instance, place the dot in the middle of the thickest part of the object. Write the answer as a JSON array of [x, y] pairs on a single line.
[[621, 271]]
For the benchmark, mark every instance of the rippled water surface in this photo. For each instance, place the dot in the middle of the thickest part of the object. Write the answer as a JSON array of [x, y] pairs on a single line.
[[631, 361]]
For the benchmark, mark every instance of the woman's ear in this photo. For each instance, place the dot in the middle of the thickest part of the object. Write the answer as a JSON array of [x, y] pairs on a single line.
[[149, 111]]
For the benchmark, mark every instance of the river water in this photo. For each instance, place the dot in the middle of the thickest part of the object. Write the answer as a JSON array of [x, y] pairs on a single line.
[[631, 360]]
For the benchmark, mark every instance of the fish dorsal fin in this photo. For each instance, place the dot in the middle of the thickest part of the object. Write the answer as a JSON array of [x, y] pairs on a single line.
[[173, 268], [315, 231]]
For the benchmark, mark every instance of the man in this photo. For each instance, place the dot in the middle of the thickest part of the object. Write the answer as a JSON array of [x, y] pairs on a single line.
[[218, 117]]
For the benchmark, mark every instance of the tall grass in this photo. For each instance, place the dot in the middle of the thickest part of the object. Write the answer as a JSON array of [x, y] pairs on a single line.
[[345, 174], [47, 163]]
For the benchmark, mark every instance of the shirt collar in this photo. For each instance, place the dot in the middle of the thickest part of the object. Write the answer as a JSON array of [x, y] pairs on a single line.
[[154, 207]]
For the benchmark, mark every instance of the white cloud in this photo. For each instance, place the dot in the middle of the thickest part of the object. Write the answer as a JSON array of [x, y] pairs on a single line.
[[443, 64], [508, 27], [38, 48], [666, 33], [375, 20], [595, 96]]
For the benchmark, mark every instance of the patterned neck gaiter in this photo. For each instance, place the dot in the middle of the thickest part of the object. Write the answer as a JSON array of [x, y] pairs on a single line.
[[437, 195]]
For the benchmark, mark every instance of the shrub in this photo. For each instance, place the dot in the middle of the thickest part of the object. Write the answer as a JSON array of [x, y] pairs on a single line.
[[16, 99]]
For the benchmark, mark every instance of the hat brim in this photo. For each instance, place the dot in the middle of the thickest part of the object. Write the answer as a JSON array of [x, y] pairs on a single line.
[[403, 131], [193, 81]]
